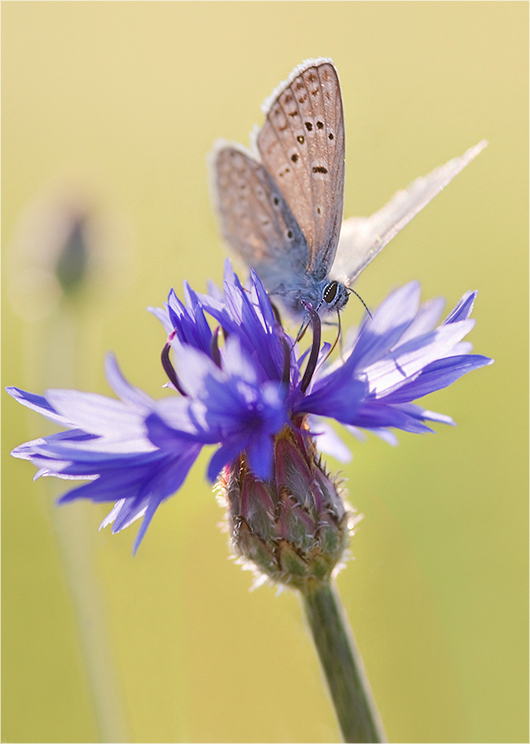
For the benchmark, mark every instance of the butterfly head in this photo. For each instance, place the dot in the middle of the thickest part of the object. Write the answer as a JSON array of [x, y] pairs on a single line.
[[324, 297]]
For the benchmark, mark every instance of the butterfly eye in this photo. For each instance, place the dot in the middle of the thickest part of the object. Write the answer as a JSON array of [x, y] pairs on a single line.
[[330, 292]]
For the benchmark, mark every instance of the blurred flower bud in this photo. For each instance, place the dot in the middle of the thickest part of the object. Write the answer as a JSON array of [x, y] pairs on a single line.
[[295, 527], [64, 245], [71, 265]]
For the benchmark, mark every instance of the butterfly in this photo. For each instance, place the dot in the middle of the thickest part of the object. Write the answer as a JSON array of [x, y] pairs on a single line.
[[280, 206]]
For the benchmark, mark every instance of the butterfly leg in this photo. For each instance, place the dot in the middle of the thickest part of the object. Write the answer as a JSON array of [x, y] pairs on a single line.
[[301, 332], [338, 340]]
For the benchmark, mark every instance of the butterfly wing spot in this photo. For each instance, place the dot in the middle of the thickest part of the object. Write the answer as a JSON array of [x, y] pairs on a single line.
[[301, 139], [319, 169], [320, 125], [294, 157], [331, 136], [309, 126], [281, 121]]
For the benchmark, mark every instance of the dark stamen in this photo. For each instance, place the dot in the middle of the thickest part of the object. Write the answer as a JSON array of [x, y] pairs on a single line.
[[214, 347], [276, 312], [315, 348], [286, 376], [168, 367]]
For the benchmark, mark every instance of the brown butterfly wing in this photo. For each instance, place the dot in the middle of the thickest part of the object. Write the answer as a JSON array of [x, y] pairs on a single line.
[[302, 146], [256, 221]]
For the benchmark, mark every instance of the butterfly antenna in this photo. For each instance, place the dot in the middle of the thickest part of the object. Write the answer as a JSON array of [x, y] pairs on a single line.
[[361, 299]]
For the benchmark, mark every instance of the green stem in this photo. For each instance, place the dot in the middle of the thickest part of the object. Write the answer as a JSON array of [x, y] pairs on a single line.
[[342, 665], [55, 344]]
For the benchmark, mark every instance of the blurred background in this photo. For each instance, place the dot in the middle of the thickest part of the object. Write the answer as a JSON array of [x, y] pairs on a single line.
[[109, 111]]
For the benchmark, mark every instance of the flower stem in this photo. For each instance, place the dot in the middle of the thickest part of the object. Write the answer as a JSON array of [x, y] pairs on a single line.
[[348, 686], [53, 359]]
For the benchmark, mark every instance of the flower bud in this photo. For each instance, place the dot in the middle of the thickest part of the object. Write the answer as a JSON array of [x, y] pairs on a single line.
[[72, 261], [295, 527]]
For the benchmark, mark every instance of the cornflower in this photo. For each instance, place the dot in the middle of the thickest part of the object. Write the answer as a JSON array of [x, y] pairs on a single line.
[[242, 385]]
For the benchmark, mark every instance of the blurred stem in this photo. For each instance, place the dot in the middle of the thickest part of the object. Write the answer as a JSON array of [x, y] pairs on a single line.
[[342, 666], [56, 362]]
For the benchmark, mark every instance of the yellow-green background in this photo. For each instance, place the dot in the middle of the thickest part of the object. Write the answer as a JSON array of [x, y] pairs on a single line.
[[128, 98]]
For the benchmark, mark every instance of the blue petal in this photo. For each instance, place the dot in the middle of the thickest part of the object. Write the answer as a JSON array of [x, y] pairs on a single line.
[[375, 414], [338, 395], [40, 404], [263, 300], [163, 317], [389, 323], [436, 376], [149, 514], [249, 317], [338, 399], [426, 318], [226, 454], [96, 413], [463, 309], [260, 456], [128, 393], [327, 440], [406, 361]]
